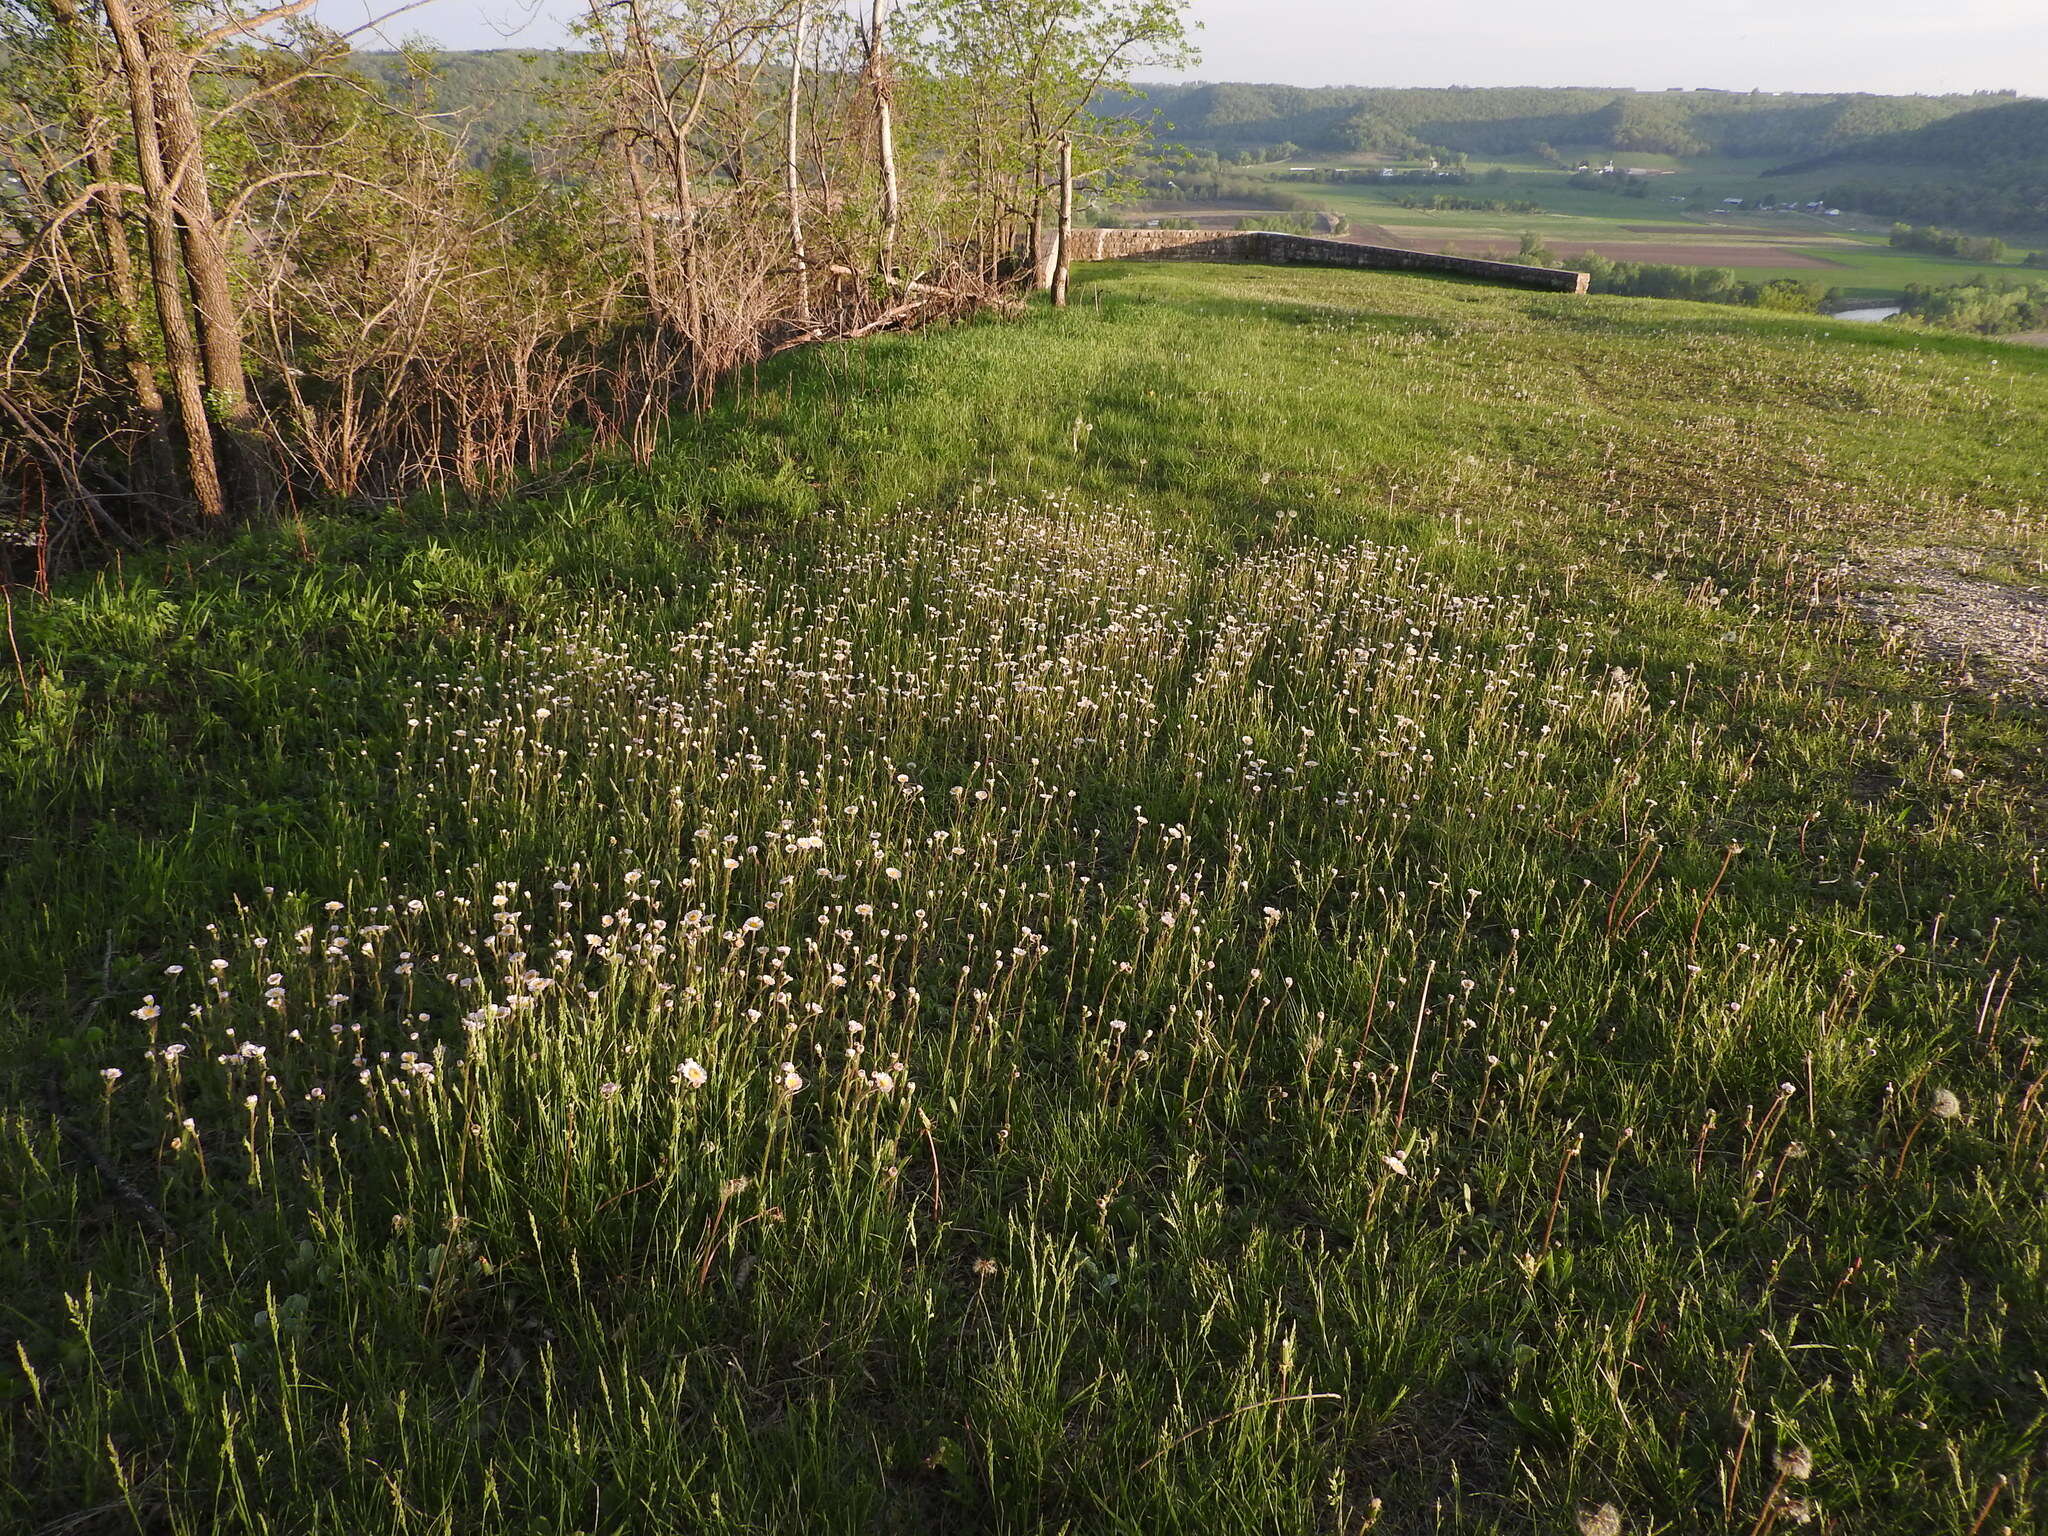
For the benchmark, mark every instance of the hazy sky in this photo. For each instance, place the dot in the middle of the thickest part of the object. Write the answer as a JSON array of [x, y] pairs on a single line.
[[1773, 45]]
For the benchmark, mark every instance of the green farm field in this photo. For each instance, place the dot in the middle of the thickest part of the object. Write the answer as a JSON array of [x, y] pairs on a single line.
[[1285, 901], [1678, 222]]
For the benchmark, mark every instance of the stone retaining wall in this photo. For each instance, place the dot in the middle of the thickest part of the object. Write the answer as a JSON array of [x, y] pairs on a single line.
[[1304, 250]]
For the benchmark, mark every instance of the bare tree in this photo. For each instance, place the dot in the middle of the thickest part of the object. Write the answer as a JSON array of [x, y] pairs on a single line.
[[228, 261], [1032, 71], [168, 253], [792, 178], [881, 85]]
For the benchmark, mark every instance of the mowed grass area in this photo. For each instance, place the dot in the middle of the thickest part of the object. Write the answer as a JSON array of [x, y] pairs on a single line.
[[1851, 253], [1283, 902]]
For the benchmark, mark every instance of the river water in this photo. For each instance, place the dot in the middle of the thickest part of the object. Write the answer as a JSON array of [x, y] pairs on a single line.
[[1878, 312]]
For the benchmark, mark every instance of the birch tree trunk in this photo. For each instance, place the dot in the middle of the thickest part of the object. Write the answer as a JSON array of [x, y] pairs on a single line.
[[792, 181], [885, 140], [1063, 245]]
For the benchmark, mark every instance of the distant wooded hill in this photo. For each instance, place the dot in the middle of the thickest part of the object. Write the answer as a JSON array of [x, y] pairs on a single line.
[[1987, 168], [1523, 120], [495, 95], [1979, 159], [502, 90]]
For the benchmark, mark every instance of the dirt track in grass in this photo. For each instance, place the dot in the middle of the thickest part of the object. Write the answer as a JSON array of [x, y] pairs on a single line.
[[1992, 634]]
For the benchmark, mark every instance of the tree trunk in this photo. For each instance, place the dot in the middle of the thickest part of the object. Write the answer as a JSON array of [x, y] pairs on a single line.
[[793, 182], [206, 262], [1041, 265], [123, 309], [1063, 246], [643, 228], [885, 140], [167, 266], [673, 136], [640, 211]]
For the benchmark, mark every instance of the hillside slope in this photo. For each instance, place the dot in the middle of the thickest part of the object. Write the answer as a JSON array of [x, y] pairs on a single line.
[[1986, 167], [1284, 901]]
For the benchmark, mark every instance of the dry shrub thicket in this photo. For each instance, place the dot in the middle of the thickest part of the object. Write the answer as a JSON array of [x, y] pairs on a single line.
[[233, 271]]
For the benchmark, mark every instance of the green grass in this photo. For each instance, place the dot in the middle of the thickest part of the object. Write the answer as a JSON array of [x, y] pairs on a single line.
[[1365, 945]]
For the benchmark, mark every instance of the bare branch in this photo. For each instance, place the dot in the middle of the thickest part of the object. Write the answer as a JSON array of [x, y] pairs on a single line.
[[246, 24], [64, 215]]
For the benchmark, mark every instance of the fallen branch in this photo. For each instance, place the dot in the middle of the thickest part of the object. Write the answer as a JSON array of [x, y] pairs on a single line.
[[881, 322], [907, 284]]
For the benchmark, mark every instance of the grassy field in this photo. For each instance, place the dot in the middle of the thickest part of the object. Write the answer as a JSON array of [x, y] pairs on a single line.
[[1678, 222], [1283, 902]]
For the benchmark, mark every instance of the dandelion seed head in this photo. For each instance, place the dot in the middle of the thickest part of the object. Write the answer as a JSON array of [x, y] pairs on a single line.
[[1796, 1462]]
